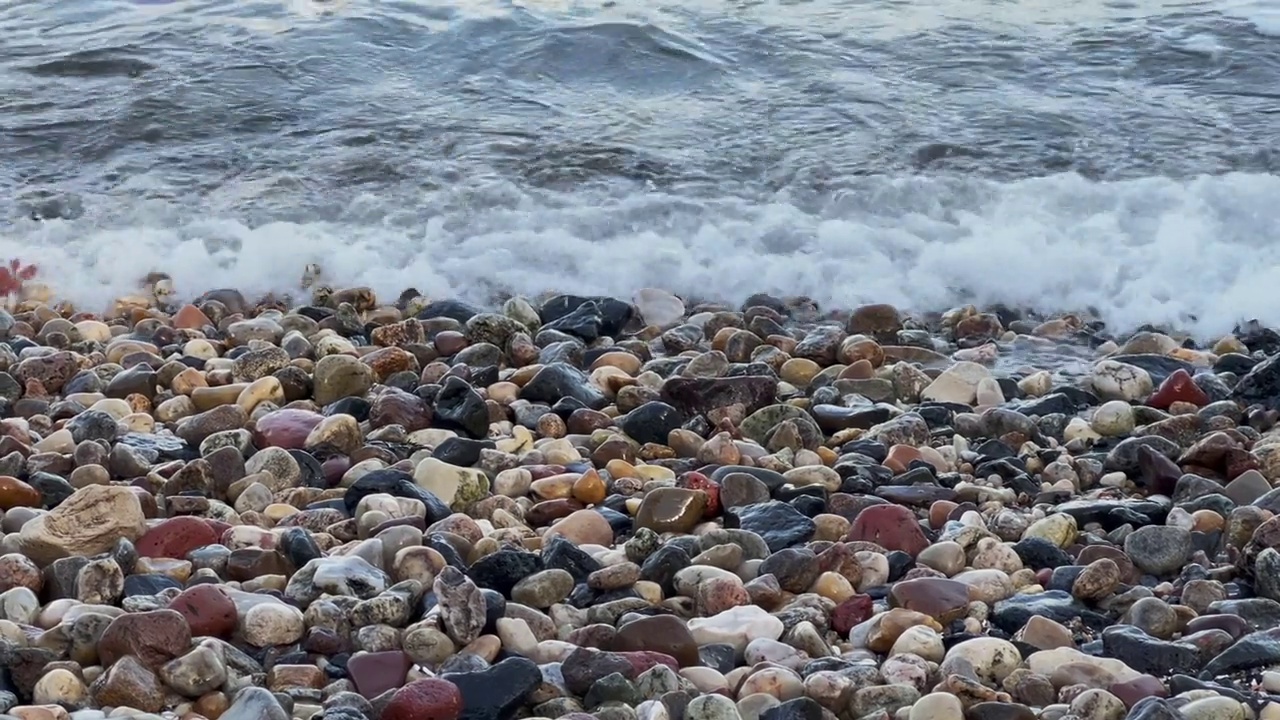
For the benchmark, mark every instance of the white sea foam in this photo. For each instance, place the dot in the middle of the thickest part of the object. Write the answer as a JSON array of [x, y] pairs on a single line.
[[1200, 254], [1263, 14]]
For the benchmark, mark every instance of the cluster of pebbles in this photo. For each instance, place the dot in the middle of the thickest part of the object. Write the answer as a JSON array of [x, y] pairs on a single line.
[[647, 510]]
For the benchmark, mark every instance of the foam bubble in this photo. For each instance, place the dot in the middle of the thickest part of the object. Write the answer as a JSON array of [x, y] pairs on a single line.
[[1196, 253]]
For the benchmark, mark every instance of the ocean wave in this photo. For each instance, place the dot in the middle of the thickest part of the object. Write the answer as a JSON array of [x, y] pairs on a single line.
[[1194, 253]]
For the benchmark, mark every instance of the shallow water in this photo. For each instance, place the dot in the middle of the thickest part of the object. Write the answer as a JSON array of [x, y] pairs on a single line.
[[1115, 156]]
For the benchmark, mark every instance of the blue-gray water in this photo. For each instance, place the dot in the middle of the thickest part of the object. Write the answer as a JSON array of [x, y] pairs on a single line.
[[1120, 156]]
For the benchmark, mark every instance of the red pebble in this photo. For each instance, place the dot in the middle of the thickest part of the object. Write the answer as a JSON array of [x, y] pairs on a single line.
[[377, 672], [175, 537], [1178, 387], [642, 660], [892, 527], [1238, 461], [544, 471], [850, 613], [208, 610], [429, 699], [697, 481], [287, 428]]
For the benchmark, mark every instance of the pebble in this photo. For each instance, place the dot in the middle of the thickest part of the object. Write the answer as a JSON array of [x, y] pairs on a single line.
[[342, 508]]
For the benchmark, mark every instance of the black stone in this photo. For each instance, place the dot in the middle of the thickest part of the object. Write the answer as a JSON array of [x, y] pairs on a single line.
[[899, 564], [460, 451], [1112, 514], [454, 309], [1159, 367], [1063, 577], [1255, 650], [873, 449], [459, 407], [772, 479], [619, 522], [584, 321], [561, 553], [356, 407], [52, 488], [697, 396], [445, 548], [312, 475], [398, 484], [497, 692], [798, 709], [93, 425], [495, 608], [298, 546], [779, 524], [149, 584], [1258, 613], [1011, 614], [501, 571], [1261, 385], [612, 688], [167, 447], [559, 380], [719, 656], [1150, 655], [1051, 404], [652, 422], [1038, 554], [614, 314], [661, 567]]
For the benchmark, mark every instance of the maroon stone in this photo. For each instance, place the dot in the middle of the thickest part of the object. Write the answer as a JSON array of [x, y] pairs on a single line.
[[1234, 625], [584, 666], [334, 468], [175, 537], [892, 527], [1178, 387], [1143, 686], [642, 660], [942, 599], [286, 428], [544, 471], [207, 609], [548, 511], [697, 481], [850, 613], [429, 699], [377, 672], [666, 634], [155, 637]]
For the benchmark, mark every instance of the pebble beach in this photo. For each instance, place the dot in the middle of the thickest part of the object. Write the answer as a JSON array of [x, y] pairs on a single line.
[[340, 506]]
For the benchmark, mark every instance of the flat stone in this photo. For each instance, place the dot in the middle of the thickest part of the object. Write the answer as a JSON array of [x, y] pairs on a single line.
[[1247, 487], [779, 524], [427, 699], [666, 634], [175, 537], [130, 683], [943, 600], [1160, 550], [154, 637], [669, 509], [893, 527], [377, 672], [497, 692], [91, 521]]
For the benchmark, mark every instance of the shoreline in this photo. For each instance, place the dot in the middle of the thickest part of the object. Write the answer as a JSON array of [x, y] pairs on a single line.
[[640, 509]]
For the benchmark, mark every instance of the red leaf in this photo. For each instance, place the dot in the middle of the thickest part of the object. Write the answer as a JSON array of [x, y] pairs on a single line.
[[12, 277]]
